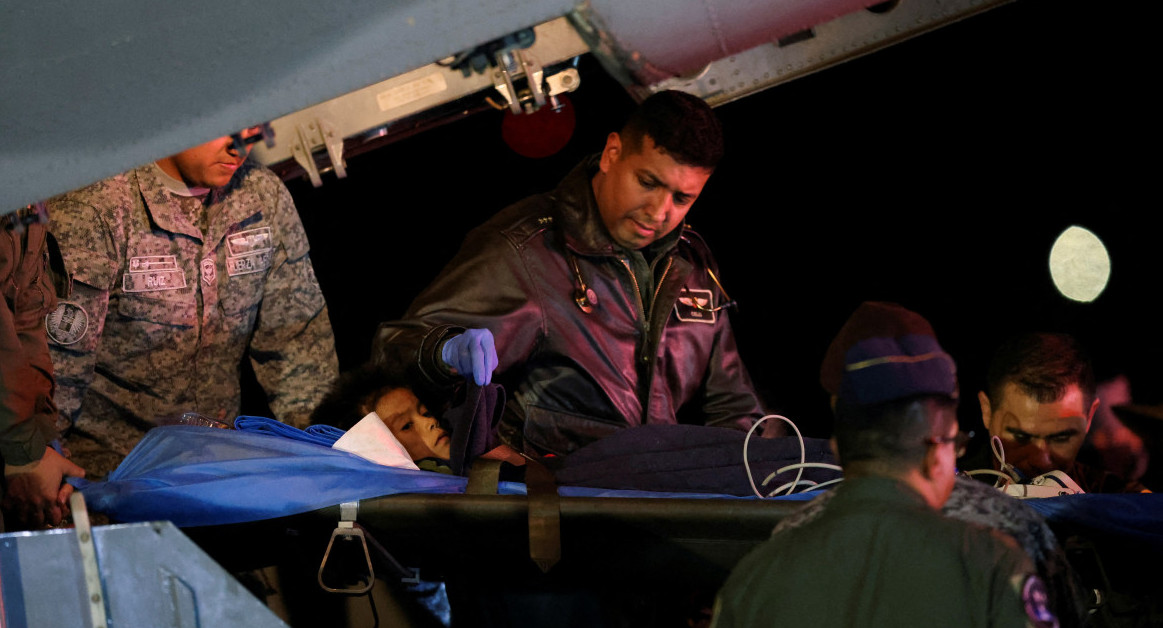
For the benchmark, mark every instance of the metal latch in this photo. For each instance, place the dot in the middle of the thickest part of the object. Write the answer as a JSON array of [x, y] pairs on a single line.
[[538, 89], [318, 133], [515, 64]]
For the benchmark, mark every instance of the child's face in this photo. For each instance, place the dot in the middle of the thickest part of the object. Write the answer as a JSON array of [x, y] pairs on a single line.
[[412, 424]]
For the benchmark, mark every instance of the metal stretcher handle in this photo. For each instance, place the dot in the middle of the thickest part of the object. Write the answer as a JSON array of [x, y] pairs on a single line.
[[348, 529]]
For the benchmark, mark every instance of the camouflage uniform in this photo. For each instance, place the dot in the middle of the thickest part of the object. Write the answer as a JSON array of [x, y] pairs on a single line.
[[170, 292]]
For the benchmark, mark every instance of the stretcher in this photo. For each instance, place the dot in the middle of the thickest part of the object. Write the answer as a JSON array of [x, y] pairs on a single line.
[[210, 479], [248, 499]]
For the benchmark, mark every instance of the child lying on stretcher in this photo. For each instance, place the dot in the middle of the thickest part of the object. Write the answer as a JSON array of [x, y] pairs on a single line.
[[372, 389]]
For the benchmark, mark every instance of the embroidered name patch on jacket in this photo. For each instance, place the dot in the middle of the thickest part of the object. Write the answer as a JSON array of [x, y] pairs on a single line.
[[694, 306], [248, 251], [151, 273]]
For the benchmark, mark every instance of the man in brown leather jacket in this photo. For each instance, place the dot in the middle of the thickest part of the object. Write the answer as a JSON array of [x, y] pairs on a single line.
[[32, 490], [605, 310]]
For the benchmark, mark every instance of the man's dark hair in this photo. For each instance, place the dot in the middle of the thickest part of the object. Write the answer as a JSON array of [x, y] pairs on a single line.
[[354, 395], [1042, 365], [681, 125], [890, 437]]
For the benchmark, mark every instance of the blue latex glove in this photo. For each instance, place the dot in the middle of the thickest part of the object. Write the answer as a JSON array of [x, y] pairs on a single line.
[[471, 354]]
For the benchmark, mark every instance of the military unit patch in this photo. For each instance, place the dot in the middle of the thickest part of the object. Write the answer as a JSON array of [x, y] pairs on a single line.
[[67, 324], [248, 251], [209, 271], [692, 306]]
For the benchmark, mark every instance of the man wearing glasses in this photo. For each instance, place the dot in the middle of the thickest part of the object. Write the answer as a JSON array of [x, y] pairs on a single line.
[[595, 304], [181, 269], [879, 552]]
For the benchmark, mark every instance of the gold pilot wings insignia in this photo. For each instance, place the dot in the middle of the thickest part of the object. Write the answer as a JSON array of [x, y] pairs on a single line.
[[692, 306]]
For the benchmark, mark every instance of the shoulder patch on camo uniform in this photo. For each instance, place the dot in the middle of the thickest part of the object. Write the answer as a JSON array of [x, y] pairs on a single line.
[[67, 324], [1035, 601], [688, 307]]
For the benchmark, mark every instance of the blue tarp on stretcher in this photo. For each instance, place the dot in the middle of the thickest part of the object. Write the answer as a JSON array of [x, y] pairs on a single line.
[[1128, 516], [198, 476]]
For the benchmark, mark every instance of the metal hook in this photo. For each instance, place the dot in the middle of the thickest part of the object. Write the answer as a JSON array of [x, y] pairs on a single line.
[[584, 296], [347, 529], [702, 308]]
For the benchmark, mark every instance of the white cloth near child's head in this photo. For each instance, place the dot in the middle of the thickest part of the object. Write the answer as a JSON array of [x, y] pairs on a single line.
[[371, 439]]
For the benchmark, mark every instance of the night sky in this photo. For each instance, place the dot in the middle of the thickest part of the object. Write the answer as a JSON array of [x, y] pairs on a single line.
[[936, 173]]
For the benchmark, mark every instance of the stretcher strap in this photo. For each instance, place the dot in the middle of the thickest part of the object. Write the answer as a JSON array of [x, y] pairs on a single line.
[[484, 477], [544, 516]]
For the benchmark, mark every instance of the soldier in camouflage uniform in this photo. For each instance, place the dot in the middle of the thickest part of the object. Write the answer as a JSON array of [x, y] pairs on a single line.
[[32, 490], [180, 270]]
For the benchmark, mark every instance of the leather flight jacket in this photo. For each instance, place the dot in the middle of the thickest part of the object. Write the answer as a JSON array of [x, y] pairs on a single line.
[[583, 349]]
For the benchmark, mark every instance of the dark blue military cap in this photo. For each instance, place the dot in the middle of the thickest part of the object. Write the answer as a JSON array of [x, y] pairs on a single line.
[[885, 352]]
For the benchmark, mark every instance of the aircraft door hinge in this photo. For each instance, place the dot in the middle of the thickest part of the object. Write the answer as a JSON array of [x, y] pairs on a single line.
[[309, 137]]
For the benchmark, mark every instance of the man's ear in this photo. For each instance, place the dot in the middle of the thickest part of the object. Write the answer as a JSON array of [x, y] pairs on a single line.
[[612, 152], [930, 463], [835, 449], [986, 410], [1090, 415]]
